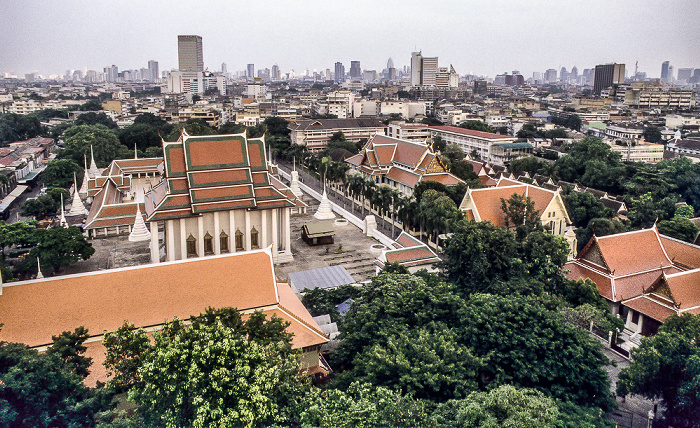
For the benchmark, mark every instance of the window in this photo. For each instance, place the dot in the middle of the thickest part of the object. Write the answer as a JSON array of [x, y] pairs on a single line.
[[254, 238], [239, 240], [223, 242], [208, 244], [191, 246]]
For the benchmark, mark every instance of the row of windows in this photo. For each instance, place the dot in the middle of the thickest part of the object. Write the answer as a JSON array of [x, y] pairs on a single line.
[[223, 242]]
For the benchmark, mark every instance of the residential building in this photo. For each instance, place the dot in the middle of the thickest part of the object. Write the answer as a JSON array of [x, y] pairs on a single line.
[[650, 95], [148, 296], [493, 148], [190, 54], [639, 152], [400, 164], [219, 196], [688, 147], [315, 133], [677, 121], [607, 75], [424, 70], [400, 130]]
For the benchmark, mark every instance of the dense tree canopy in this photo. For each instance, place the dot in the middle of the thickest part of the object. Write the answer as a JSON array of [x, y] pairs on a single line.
[[667, 366], [59, 173], [60, 246], [104, 142], [16, 127]]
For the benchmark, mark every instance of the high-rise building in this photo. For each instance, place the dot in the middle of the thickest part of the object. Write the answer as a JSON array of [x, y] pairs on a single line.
[[355, 69], [276, 72], [189, 53], [607, 75], [390, 64], [339, 72], [664, 71], [224, 69], [684, 74], [111, 73], [250, 70], [153, 70], [550, 76], [416, 61], [574, 73], [424, 70]]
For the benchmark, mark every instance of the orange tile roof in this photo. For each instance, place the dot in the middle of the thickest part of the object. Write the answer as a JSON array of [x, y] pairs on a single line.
[[681, 252], [616, 250], [443, 178], [405, 241], [488, 201], [685, 288], [580, 271], [33, 311], [402, 176], [472, 133], [650, 308], [385, 153]]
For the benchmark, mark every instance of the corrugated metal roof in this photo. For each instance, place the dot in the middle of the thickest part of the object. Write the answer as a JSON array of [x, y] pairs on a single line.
[[325, 277]]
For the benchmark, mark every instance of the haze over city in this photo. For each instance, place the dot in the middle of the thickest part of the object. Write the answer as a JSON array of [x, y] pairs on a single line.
[[479, 37]]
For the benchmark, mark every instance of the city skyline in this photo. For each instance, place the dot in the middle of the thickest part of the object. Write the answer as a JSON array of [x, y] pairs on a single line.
[[533, 36]]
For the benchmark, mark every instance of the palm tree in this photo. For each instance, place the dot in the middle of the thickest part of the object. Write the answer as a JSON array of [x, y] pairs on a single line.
[[355, 187], [383, 201], [368, 190], [396, 206]]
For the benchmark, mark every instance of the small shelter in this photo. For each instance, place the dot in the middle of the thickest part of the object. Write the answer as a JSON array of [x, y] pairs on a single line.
[[318, 233], [325, 277]]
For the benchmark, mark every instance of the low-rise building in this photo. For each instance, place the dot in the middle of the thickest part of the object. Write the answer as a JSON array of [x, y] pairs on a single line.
[[408, 131], [493, 148], [315, 133]]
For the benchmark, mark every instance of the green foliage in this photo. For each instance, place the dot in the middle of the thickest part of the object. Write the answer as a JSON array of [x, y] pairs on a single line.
[[685, 211], [361, 406], [601, 227], [193, 127], [60, 246], [92, 105], [667, 366], [476, 125], [92, 118], [141, 136], [505, 406], [524, 342], [530, 164], [320, 301], [583, 207], [645, 211], [59, 173], [68, 346], [529, 130], [556, 133], [105, 144], [652, 134], [18, 233], [40, 207], [520, 213], [452, 153], [277, 126], [219, 371], [17, 127], [679, 228], [591, 162], [126, 347], [38, 391]]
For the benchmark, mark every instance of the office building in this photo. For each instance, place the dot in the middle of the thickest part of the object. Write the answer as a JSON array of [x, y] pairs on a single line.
[[607, 75], [664, 71], [424, 70], [339, 72], [276, 75], [355, 70], [684, 74], [250, 71], [153, 70], [550, 76], [189, 53]]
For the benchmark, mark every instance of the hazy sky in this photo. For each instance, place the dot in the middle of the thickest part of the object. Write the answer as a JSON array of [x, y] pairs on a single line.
[[482, 37]]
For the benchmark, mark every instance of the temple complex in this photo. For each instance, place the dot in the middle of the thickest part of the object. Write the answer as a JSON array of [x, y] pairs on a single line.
[[219, 196]]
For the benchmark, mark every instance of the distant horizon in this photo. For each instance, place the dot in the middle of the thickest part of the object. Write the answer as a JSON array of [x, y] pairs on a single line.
[[478, 37]]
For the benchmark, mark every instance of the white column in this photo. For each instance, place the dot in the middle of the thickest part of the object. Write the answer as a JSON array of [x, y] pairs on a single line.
[[155, 248], [287, 232], [275, 233], [246, 231], [640, 323], [264, 232], [183, 240], [200, 238], [232, 231], [170, 239], [217, 232]]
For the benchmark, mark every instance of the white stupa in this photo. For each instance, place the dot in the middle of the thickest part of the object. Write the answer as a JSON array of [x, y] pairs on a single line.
[[84, 187], [94, 171], [139, 232], [62, 221], [77, 207], [324, 211], [294, 185]]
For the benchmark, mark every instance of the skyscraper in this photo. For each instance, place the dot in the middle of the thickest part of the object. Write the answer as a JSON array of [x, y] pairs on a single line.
[[153, 70], [276, 72], [607, 75], [416, 58], [424, 70], [189, 53], [355, 69], [339, 72], [664, 71], [250, 71], [390, 64]]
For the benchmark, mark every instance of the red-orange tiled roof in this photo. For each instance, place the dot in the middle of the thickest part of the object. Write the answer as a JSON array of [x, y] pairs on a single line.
[[443, 178], [617, 250], [602, 281], [471, 132], [650, 308], [685, 288], [682, 252], [402, 176]]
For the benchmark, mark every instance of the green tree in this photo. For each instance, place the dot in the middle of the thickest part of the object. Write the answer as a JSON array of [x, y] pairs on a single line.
[[92, 118], [16, 127], [126, 348], [219, 371], [645, 211], [40, 207], [529, 130], [361, 405], [666, 366], [583, 207], [321, 301], [523, 342], [68, 346], [652, 134], [141, 136], [18, 233], [476, 125], [530, 164], [555, 133], [60, 246], [59, 173], [505, 406], [599, 227], [155, 122], [520, 214], [685, 211], [193, 127], [104, 142], [679, 228], [36, 390], [277, 126]]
